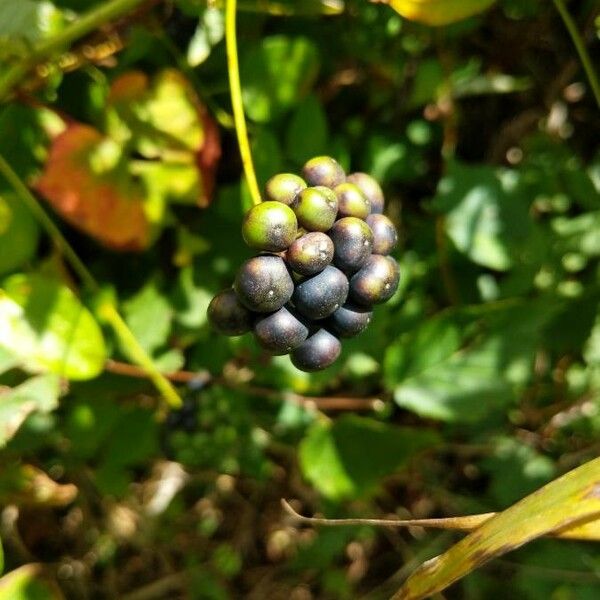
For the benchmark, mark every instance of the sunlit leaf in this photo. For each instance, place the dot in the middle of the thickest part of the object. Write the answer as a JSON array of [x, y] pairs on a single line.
[[29, 582], [29, 20], [439, 12], [36, 394], [18, 233], [45, 326], [568, 501]]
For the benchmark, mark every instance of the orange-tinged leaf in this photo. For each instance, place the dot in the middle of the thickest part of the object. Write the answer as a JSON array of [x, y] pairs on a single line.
[[570, 501], [81, 182], [439, 12]]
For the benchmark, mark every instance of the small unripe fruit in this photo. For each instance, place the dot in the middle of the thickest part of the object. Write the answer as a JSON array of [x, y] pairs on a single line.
[[316, 208], [284, 188], [376, 282], [370, 188], [385, 236], [263, 284], [349, 320], [270, 226], [318, 296], [319, 351], [323, 170], [351, 201], [353, 240], [227, 315], [310, 254], [280, 332]]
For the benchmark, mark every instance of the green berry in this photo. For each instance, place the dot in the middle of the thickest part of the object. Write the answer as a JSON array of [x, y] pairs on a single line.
[[316, 208], [385, 236], [370, 188], [351, 201], [284, 188], [353, 242], [227, 315], [376, 282], [270, 226], [310, 254], [323, 170]]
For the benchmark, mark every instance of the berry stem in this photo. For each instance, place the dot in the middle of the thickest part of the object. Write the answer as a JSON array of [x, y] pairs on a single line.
[[584, 57], [235, 88], [108, 309]]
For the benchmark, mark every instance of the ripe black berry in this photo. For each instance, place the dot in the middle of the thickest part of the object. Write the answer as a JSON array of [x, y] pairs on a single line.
[[280, 332], [310, 254], [316, 208], [263, 284], [318, 352], [270, 226], [318, 296], [353, 242], [385, 236], [323, 170], [370, 188], [349, 320], [351, 201], [227, 315], [376, 282], [284, 187]]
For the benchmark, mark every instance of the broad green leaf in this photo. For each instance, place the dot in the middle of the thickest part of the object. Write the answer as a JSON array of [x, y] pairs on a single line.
[[333, 457], [568, 501], [28, 20], [19, 233], [439, 12], [309, 116], [36, 394], [44, 325], [277, 74], [29, 582], [486, 214]]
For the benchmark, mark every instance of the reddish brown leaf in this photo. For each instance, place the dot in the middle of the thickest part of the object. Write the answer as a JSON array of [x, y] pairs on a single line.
[[105, 206]]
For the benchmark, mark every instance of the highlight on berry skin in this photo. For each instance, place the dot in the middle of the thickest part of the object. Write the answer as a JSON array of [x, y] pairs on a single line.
[[323, 263]]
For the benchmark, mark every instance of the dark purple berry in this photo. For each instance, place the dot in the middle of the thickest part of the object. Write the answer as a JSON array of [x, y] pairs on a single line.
[[280, 332], [227, 315], [349, 320], [370, 188], [270, 226], [376, 282], [316, 208], [385, 236], [351, 201], [310, 254], [353, 241], [323, 170], [318, 352], [284, 188], [263, 284], [318, 296]]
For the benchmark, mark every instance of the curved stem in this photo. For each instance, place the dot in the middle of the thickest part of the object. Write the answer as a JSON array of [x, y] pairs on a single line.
[[235, 87], [84, 24], [584, 56]]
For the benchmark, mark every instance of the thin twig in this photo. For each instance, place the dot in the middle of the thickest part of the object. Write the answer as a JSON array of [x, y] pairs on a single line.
[[235, 87], [324, 403]]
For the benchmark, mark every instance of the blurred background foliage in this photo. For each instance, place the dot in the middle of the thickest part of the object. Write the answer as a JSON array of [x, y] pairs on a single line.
[[478, 383]]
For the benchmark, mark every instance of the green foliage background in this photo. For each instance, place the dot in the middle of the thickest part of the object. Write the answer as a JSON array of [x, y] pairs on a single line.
[[480, 379]]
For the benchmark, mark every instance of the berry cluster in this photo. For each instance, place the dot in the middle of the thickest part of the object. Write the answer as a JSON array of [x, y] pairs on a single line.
[[323, 264]]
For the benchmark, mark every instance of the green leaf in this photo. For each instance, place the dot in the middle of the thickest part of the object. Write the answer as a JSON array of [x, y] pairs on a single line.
[[36, 394], [308, 131], [28, 20], [19, 233], [29, 582], [439, 12], [570, 499], [487, 215], [209, 32], [277, 74], [44, 325], [334, 459]]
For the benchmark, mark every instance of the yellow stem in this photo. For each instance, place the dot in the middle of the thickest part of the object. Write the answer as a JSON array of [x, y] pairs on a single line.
[[235, 87]]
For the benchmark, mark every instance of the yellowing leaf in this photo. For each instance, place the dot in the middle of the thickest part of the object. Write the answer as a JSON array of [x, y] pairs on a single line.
[[439, 12], [570, 501]]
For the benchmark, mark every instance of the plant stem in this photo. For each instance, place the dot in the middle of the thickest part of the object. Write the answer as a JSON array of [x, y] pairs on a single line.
[[108, 309], [86, 23], [584, 57], [235, 87]]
